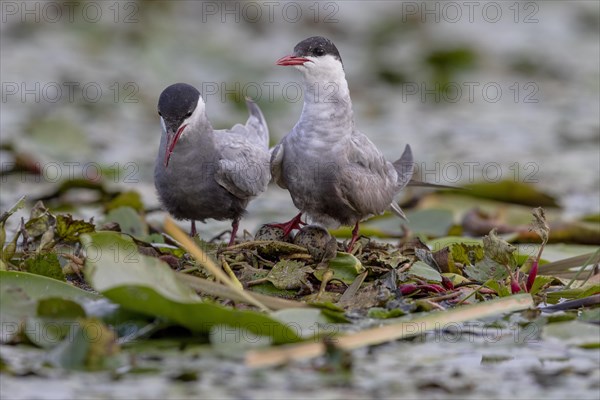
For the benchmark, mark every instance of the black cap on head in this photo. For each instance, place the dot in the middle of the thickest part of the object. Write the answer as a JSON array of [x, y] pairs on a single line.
[[177, 102], [316, 46]]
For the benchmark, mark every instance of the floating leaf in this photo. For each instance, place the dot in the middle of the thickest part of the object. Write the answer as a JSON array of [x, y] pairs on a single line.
[[574, 333], [424, 271], [90, 345], [430, 222], [345, 267], [148, 286], [306, 322], [510, 191], [129, 221], [130, 198], [19, 295]]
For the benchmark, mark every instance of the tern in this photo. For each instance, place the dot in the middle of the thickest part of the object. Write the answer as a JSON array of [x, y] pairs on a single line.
[[202, 173], [334, 173]]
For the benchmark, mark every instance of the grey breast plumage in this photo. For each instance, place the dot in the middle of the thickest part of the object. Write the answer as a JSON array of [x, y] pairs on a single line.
[[333, 172]]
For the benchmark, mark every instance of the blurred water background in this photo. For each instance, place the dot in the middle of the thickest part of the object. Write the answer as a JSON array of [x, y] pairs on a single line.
[[482, 91]]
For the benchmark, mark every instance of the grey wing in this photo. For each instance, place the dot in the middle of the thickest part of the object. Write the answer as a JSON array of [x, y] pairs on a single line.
[[256, 129], [277, 165], [243, 167], [368, 183]]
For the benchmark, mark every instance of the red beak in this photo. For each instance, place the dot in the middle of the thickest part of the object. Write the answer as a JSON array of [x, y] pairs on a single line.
[[172, 139], [291, 60]]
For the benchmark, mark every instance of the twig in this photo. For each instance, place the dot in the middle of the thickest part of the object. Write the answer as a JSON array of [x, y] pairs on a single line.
[[202, 258], [417, 326]]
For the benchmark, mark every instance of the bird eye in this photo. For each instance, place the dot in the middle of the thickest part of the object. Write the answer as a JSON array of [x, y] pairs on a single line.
[[159, 114], [189, 114], [319, 51]]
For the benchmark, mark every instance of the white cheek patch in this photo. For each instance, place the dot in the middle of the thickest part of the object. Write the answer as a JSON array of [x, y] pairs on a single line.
[[162, 124]]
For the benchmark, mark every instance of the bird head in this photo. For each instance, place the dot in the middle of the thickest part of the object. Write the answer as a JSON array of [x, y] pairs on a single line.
[[178, 105], [317, 58]]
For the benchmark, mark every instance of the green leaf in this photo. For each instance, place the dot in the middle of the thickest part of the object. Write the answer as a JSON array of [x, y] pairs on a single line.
[[19, 295], [306, 322], [424, 271], [383, 313], [57, 307], [45, 264], [90, 345], [126, 199], [289, 274], [129, 221], [539, 283], [438, 244], [498, 249], [574, 333], [510, 191], [345, 267], [148, 286], [68, 230], [430, 222]]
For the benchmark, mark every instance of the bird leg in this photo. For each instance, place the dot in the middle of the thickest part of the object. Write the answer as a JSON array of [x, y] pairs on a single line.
[[234, 228], [354, 237], [294, 223], [193, 230]]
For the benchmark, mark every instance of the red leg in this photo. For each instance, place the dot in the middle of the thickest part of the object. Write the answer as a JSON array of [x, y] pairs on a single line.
[[294, 223], [193, 230], [234, 229], [354, 237]]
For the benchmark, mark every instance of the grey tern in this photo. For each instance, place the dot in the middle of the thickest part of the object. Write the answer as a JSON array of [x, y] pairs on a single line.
[[202, 173], [333, 172]]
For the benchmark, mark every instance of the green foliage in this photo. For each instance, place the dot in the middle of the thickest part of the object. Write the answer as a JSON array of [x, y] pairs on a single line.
[[45, 264]]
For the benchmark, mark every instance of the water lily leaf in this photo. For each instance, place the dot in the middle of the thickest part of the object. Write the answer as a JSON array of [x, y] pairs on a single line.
[[421, 270], [58, 307], [148, 286], [345, 267], [306, 322], [129, 221], [68, 229], [289, 274], [45, 264], [19, 295], [431, 222], [448, 241], [510, 191], [574, 333], [90, 345], [126, 199], [384, 313]]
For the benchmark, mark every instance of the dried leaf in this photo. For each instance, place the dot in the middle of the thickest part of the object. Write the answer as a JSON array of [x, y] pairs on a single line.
[[539, 224], [498, 249], [68, 229], [287, 274]]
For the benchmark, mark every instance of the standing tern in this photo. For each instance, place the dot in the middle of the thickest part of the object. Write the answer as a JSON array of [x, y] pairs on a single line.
[[333, 172], [203, 173]]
